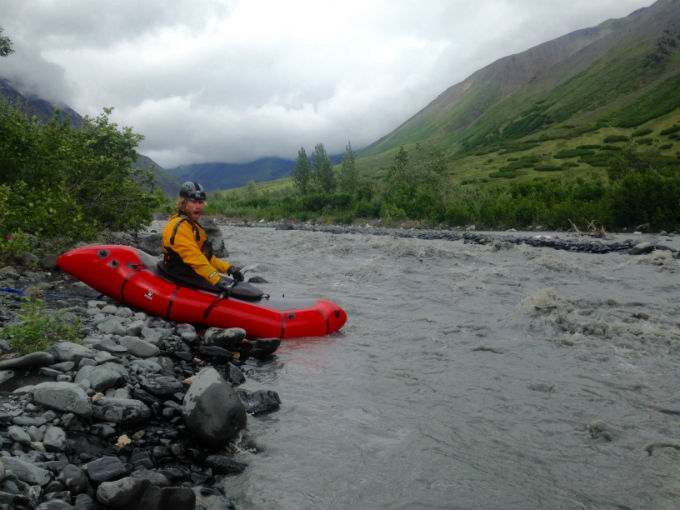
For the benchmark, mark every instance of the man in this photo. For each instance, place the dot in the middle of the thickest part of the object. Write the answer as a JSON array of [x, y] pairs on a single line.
[[187, 257]]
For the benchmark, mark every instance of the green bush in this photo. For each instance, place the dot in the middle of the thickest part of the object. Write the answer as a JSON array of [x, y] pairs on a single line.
[[615, 138], [59, 181], [38, 329], [641, 132]]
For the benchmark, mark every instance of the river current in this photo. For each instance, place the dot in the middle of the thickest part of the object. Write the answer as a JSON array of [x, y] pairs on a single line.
[[467, 376]]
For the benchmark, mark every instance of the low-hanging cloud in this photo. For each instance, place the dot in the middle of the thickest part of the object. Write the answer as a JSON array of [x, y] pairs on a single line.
[[236, 80]]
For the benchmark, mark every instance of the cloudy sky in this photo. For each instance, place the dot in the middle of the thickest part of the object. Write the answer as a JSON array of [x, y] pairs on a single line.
[[235, 80]]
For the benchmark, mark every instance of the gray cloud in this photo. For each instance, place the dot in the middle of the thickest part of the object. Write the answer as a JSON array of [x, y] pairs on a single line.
[[234, 80]]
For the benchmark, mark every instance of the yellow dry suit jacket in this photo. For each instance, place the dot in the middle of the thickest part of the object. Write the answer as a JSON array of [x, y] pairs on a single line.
[[185, 250]]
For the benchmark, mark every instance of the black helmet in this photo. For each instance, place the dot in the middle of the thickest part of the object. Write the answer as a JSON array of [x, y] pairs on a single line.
[[192, 191]]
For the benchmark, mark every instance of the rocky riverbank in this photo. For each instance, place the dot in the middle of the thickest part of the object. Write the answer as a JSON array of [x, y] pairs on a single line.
[[142, 413]]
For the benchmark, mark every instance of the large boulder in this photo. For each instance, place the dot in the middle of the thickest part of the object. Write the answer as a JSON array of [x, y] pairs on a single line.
[[212, 410]]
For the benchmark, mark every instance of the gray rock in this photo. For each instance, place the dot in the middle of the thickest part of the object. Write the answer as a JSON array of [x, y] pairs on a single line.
[[110, 309], [223, 465], [109, 345], [144, 366], [135, 328], [26, 471], [105, 468], [63, 396], [215, 237], [154, 477], [64, 366], [151, 243], [73, 478], [260, 401], [122, 494], [19, 435], [153, 335], [55, 504], [120, 410], [112, 325], [236, 375], [138, 347], [27, 421], [641, 248], [85, 502], [164, 498], [124, 311], [34, 359], [187, 332], [102, 377], [212, 410], [54, 439], [226, 338], [69, 351], [6, 375], [162, 385]]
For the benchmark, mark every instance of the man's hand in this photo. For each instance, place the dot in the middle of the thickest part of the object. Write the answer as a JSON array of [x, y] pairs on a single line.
[[224, 286], [235, 273]]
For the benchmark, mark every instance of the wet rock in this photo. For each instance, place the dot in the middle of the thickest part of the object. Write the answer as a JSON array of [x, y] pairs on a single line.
[[54, 439], [69, 351], [102, 377], [109, 345], [641, 249], [228, 338], [112, 325], [105, 469], [138, 347], [215, 353], [63, 396], [120, 410], [260, 401], [235, 374], [187, 333], [166, 498], [154, 477], [263, 348], [55, 504], [73, 478], [34, 359], [600, 430], [212, 410], [26, 471], [6, 375], [161, 385], [121, 494], [19, 435], [223, 465]]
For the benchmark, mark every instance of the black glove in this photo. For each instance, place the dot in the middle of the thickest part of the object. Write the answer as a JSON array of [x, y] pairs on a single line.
[[224, 287], [235, 273]]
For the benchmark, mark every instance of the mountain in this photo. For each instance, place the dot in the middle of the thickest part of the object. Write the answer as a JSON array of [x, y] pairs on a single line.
[[216, 176], [620, 74], [221, 176], [36, 106]]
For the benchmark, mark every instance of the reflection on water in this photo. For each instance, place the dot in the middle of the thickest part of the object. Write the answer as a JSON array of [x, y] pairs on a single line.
[[467, 376]]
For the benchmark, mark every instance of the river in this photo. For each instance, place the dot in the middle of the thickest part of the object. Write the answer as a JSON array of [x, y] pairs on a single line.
[[467, 376]]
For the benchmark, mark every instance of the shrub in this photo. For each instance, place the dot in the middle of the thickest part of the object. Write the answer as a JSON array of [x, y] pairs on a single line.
[[37, 330], [615, 138]]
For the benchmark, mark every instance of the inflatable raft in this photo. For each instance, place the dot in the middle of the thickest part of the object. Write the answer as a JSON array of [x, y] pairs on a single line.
[[132, 276]]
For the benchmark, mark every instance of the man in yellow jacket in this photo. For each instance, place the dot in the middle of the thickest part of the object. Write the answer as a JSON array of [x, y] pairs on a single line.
[[187, 257]]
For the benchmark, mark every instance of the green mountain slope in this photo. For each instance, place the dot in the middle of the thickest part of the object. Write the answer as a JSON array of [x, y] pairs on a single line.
[[607, 80]]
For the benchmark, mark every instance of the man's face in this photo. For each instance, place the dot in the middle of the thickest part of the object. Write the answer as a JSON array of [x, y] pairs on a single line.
[[194, 209]]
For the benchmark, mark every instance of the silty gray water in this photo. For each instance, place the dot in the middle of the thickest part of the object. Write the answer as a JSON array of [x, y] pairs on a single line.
[[467, 376]]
